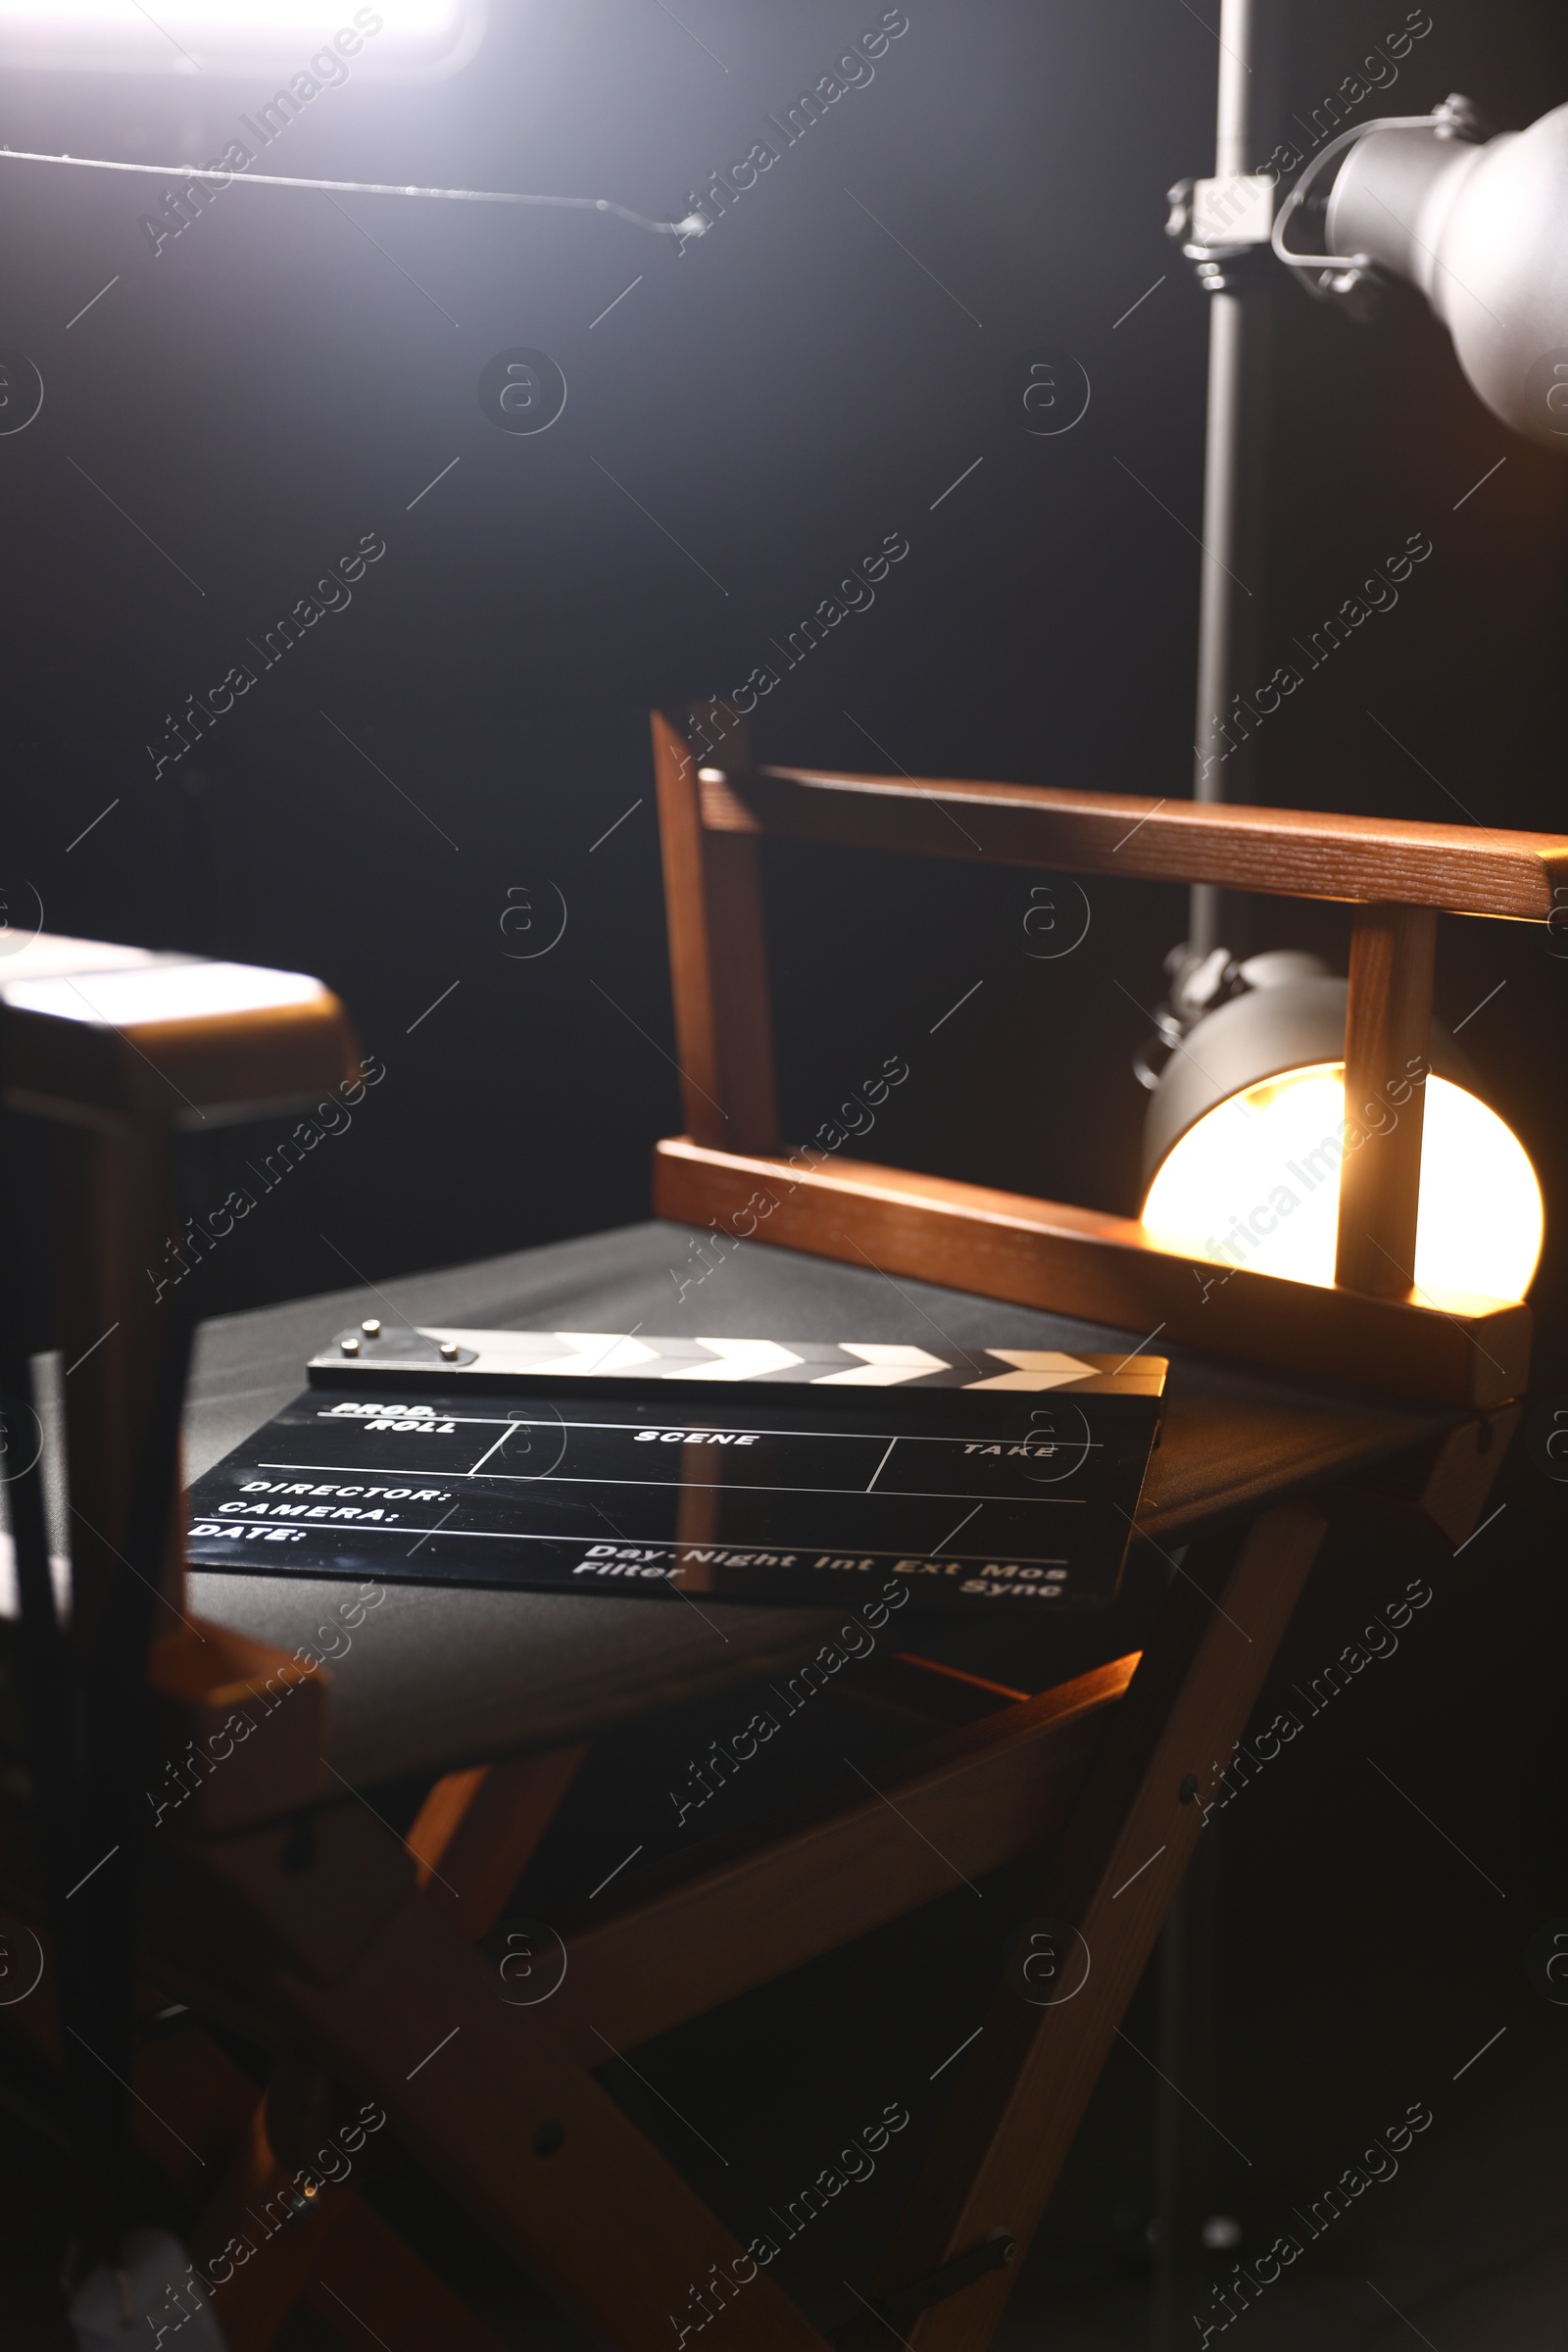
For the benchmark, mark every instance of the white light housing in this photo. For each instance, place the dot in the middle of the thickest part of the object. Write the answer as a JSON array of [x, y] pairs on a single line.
[[1477, 224], [393, 40], [1481, 231], [1255, 1182]]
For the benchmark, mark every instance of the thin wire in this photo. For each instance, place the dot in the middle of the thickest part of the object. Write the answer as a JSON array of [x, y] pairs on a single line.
[[691, 226]]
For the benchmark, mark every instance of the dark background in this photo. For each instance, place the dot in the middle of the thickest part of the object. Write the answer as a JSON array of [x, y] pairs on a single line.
[[779, 396]]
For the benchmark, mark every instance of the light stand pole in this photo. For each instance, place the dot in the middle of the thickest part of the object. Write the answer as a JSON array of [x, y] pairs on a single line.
[[1225, 224], [1233, 458]]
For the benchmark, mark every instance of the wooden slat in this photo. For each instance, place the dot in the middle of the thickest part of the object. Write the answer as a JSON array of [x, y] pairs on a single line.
[[481, 2094], [1446, 1482], [981, 1796], [1388, 1041], [1295, 852], [366, 1976], [691, 972], [1456, 1350], [200, 1676], [717, 961], [476, 1832], [1023, 2087], [470, 1841]]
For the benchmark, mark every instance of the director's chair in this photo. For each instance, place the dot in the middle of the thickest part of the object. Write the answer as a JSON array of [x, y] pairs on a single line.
[[283, 1916]]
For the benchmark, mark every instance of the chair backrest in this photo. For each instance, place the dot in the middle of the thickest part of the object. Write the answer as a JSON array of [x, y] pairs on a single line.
[[1398, 875]]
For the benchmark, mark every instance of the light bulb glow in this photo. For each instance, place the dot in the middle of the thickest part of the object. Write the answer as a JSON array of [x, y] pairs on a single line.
[[393, 38], [1255, 1182]]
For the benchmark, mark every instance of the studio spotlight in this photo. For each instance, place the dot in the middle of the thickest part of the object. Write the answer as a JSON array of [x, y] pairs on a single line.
[[1477, 224], [1247, 1131]]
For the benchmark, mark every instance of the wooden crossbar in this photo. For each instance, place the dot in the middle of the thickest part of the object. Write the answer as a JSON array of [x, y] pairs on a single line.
[[1439, 1349], [1292, 853], [749, 1913]]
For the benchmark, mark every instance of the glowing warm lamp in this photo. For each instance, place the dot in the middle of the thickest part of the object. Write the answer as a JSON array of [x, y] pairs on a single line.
[[1255, 1182]]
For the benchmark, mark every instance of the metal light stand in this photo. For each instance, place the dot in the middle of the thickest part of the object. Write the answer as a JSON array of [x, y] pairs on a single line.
[[1225, 224]]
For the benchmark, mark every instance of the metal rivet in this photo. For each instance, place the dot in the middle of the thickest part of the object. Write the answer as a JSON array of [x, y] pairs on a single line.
[[350, 1345], [549, 2137], [371, 1327], [450, 1351], [1187, 1789]]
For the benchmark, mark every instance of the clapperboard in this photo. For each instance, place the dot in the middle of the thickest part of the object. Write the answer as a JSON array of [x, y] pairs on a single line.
[[752, 1469]]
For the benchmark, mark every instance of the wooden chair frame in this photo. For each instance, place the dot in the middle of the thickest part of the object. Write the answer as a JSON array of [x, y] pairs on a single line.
[[290, 1913], [729, 1171]]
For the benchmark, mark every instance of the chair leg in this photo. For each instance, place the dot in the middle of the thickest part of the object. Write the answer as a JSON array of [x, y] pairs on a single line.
[[479, 2092], [470, 1840], [1024, 2088], [336, 2254], [363, 1972], [256, 2250]]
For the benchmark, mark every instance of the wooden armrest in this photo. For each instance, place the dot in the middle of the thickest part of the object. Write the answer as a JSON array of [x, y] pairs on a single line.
[[1295, 852], [102, 1035]]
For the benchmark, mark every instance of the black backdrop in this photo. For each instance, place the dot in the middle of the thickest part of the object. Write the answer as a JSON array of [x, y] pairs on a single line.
[[751, 419]]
